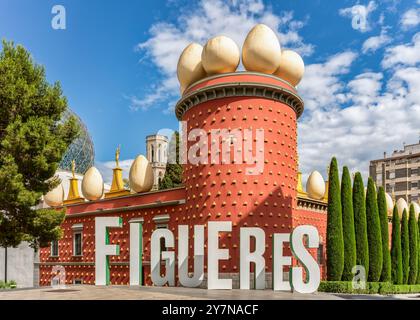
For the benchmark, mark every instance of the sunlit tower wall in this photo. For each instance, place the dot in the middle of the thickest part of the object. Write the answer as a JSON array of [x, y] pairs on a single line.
[[224, 191]]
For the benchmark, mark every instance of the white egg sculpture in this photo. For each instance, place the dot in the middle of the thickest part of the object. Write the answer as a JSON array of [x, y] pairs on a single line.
[[416, 209], [261, 50], [190, 69], [401, 205], [55, 197], [220, 55], [141, 175], [389, 204], [92, 184], [291, 67], [315, 186]]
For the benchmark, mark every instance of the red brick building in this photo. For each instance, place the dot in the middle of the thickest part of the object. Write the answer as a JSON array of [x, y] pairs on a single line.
[[271, 198]]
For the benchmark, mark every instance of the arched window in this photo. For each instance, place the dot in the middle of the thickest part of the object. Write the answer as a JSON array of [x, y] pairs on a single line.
[[152, 148]]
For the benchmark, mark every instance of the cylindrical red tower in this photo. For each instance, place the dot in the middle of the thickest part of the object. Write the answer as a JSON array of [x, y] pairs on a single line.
[[265, 197]]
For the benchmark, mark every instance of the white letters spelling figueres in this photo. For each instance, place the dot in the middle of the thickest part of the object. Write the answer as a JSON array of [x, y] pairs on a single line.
[[214, 255]]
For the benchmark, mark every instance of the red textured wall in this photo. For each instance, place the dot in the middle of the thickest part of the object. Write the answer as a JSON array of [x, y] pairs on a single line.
[[224, 192]]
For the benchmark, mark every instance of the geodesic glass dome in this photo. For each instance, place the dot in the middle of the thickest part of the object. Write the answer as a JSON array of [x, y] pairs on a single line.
[[81, 149]]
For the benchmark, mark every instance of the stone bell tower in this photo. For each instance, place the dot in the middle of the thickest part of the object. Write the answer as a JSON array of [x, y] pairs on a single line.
[[157, 155]]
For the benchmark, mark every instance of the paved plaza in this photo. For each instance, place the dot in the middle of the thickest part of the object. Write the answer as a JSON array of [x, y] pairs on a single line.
[[85, 292]]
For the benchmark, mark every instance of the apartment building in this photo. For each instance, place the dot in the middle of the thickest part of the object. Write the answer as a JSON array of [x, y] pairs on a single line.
[[399, 173]]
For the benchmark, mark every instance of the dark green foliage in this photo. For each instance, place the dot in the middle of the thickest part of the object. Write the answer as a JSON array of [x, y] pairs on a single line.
[[33, 141], [418, 252], [413, 245], [405, 246], [383, 216], [173, 172], [396, 253], [374, 233], [359, 208], [335, 242], [348, 226], [371, 288]]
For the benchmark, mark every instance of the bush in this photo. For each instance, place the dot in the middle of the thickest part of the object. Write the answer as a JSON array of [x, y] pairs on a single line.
[[396, 253], [383, 216], [8, 285], [359, 208], [382, 288], [348, 226], [335, 242], [405, 246], [413, 245], [418, 252], [374, 233]]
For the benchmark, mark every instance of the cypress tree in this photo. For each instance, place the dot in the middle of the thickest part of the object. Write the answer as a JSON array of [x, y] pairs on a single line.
[[418, 248], [383, 216], [405, 247], [374, 233], [348, 226], [359, 208], [396, 253], [413, 245], [335, 245]]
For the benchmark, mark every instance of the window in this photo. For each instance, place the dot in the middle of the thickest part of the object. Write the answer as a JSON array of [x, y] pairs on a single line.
[[77, 244], [54, 248]]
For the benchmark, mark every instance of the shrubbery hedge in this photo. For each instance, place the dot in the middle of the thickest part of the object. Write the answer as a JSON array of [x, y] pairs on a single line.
[[8, 285], [371, 288]]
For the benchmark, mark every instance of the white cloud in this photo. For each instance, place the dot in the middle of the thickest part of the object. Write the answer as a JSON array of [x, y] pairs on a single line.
[[359, 15], [404, 54], [380, 113], [410, 18], [374, 43], [321, 85], [364, 88], [209, 18], [105, 168]]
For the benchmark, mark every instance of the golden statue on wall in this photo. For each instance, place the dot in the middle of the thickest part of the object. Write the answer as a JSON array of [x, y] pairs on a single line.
[[117, 156], [73, 168]]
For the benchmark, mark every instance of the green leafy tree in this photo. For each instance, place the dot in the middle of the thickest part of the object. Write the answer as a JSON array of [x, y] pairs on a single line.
[[396, 252], [405, 246], [374, 233], [413, 245], [383, 215], [348, 226], [173, 172], [46, 227], [33, 140], [335, 241], [359, 208]]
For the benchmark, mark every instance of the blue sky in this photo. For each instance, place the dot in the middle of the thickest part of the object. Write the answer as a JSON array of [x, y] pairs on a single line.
[[116, 62]]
